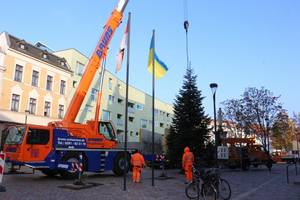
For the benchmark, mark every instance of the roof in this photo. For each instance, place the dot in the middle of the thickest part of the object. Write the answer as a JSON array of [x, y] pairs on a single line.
[[38, 53]]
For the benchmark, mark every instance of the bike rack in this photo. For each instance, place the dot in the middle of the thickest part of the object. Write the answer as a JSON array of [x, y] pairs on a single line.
[[287, 170]]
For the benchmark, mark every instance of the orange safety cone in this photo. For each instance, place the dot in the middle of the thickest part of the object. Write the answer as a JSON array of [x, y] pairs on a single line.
[[2, 163]]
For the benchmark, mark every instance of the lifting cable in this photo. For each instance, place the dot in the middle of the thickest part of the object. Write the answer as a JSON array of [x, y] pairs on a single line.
[[186, 27]]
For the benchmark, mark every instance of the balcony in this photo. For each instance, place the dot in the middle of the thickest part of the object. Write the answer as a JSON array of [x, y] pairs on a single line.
[[131, 110], [120, 122]]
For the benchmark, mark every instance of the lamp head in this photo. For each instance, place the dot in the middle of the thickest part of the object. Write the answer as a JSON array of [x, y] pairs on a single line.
[[213, 87]]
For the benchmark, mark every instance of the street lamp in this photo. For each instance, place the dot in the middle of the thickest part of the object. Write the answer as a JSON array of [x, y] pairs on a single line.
[[268, 138], [213, 87], [26, 113]]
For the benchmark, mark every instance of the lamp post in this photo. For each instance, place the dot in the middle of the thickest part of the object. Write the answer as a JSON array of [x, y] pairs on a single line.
[[268, 138], [213, 87], [26, 113]]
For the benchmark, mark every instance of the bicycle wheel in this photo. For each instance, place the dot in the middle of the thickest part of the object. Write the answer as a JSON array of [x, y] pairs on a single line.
[[223, 189], [209, 192], [192, 191]]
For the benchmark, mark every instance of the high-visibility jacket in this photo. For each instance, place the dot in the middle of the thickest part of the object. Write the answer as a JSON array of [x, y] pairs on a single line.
[[187, 158], [137, 160]]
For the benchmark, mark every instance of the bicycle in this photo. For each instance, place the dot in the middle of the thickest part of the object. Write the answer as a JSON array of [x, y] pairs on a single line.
[[222, 186], [207, 189]]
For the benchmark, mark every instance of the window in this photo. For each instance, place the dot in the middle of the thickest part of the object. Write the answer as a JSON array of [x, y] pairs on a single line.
[[161, 125], [120, 121], [94, 94], [131, 133], [62, 86], [107, 130], [144, 123], [111, 98], [37, 136], [137, 133], [120, 101], [131, 119], [45, 55], [130, 105], [60, 111], [119, 86], [110, 85], [88, 108], [15, 134], [47, 109], [139, 106], [35, 78], [62, 63], [18, 73], [22, 46], [49, 82], [32, 106], [15, 102], [79, 68], [74, 84], [156, 112], [105, 115], [119, 116]]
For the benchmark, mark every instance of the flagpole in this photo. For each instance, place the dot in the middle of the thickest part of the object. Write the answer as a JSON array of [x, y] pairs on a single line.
[[153, 105], [126, 98]]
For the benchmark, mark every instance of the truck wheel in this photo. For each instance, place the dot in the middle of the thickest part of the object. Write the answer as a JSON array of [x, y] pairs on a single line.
[[49, 172], [71, 157], [120, 164]]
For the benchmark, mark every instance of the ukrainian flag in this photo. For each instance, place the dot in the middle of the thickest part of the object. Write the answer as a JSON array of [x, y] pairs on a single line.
[[160, 67]]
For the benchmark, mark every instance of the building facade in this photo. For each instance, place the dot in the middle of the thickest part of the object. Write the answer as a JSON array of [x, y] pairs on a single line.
[[34, 83], [113, 102]]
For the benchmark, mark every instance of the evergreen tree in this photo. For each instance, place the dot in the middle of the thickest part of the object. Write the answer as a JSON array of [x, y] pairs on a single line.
[[189, 125]]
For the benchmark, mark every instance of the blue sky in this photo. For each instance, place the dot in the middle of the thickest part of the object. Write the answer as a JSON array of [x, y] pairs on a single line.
[[234, 43]]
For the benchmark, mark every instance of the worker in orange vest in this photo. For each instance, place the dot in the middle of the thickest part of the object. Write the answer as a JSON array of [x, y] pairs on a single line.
[[137, 162], [187, 164]]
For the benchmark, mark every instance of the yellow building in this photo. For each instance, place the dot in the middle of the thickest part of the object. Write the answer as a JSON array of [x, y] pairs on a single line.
[[34, 83], [113, 102]]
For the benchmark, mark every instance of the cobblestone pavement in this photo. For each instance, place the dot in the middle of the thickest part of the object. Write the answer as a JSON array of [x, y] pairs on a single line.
[[254, 184]]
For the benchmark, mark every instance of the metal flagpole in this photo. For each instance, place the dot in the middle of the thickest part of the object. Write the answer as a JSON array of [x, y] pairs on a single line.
[[126, 101], [153, 106]]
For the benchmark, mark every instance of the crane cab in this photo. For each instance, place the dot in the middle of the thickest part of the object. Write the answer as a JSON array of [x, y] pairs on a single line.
[[27, 143]]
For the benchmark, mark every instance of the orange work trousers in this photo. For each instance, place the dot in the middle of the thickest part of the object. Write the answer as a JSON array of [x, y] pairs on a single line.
[[188, 172], [136, 174]]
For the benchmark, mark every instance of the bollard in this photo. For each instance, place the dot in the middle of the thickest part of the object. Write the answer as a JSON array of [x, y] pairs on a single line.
[[287, 173], [2, 163], [79, 168], [161, 159]]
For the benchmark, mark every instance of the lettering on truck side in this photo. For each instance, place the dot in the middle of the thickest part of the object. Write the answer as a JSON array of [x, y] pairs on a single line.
[[104, 41]]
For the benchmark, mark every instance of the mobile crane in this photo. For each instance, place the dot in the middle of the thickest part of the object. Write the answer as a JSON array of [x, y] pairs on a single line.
[[243, 152], [54, 148]]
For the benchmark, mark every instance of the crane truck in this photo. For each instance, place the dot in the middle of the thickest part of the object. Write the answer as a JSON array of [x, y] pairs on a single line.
[[54, 148], [243, 152]]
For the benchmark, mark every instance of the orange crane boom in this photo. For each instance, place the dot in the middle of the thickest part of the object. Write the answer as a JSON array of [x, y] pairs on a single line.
[[97, 57]]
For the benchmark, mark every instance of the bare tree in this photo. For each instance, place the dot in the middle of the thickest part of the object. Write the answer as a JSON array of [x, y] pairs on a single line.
[[254, 113]]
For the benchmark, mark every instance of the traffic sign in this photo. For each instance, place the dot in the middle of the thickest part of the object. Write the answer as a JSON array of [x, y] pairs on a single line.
[[223, 153]]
